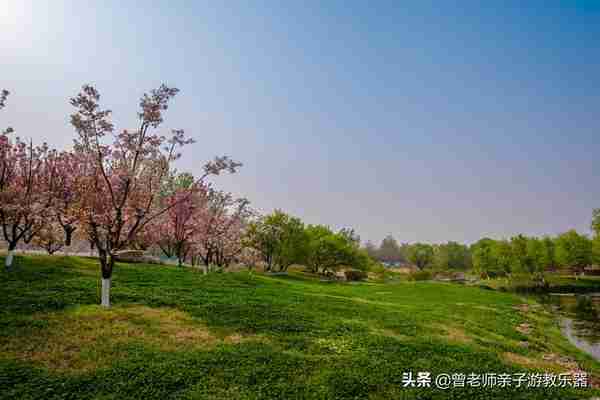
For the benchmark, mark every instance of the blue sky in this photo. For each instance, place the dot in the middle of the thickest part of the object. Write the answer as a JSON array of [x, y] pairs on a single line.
[[430, 121]]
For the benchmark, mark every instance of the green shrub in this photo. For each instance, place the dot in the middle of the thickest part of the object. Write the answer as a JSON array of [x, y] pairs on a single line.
[[584, 308], [524, 283], [423, 275], [355, 275], [377, 268]]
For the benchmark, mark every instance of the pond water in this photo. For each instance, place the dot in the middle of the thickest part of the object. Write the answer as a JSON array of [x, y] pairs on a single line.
[[580, 322]]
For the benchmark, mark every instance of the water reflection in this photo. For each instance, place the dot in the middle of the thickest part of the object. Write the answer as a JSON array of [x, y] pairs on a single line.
[[581, 322]]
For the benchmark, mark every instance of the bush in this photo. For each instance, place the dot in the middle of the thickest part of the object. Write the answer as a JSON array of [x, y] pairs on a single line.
[[377, 268], [423, 275], [584, 308], [355, 275], [523, 283]]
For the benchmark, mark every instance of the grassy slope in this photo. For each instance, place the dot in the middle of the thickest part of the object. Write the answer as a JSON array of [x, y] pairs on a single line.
[[175, 333]]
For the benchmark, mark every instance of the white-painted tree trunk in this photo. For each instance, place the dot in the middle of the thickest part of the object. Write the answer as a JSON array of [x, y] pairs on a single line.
[[106, 292], [9, 259], [205, 269]]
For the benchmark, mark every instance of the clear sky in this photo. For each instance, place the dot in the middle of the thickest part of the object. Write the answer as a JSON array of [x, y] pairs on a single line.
[[431, 121]]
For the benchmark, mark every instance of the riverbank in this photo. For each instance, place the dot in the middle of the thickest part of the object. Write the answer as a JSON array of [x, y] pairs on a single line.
[[555, 283]]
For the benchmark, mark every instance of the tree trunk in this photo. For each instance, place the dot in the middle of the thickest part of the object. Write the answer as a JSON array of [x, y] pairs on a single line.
[[10, 256], [9, 259], [107, 263], [269, 263], [179, 252], [68, 234], [206, 263], [106, 292]]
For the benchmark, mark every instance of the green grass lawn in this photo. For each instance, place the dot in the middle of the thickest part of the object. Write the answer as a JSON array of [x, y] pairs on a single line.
[[175, 333]]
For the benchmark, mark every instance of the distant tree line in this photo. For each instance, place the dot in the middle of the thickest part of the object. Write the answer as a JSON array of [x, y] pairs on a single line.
[[446, 256], [497, 257]]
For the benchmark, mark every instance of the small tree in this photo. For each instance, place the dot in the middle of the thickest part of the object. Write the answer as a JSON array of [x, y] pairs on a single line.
[[327, 251], [19, 194], [176, 227], [421, 255], [64, 207], [502, 262], [50, 237], [350, 235], [521, 261], [292, 244], [596, 222], [220, 230], [26, 186], [317, 254], [229, 244], [484, 260], [536, 255], [452, 256], [389, 250], [548, 259], [573, 250], [279, 238]]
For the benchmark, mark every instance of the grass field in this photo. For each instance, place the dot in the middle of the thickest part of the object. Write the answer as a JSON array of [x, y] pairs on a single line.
[[175, 333]]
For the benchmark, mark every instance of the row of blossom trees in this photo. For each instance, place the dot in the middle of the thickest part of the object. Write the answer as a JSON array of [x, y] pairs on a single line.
[[120, 191], [110, 188], [202, 225]]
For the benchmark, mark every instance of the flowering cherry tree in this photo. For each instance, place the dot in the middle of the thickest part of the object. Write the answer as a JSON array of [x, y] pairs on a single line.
[[249, 257], [228, 244], [176, 228], [25, 191], [64, 206], [219, 231], [27, 179], [50, 237], [118, 184]]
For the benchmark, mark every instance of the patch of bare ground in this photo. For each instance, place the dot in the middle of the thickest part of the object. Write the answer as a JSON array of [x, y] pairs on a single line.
[[87, 338], [391, 333], [550, 362], [524, 328], [531, 362], [453, 333]]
